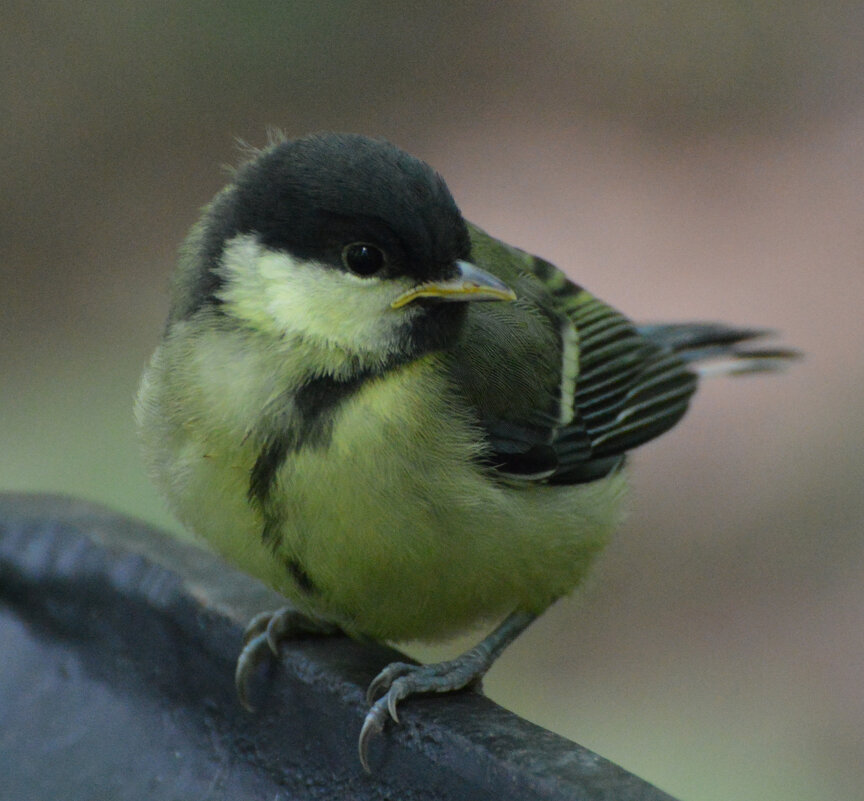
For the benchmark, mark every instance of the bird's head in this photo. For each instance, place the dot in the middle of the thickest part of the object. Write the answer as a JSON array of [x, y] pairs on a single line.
[[341, 241]]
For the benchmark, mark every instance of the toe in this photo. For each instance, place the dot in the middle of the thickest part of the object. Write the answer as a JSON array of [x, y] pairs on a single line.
[[386, 677], [250, 657], [258, 624], [262, 638]]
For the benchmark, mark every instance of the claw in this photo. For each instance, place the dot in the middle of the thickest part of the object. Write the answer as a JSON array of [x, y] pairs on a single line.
[[372, 725], [401, 680], [275, 632], [378, 683], [376, 717], [386, 677], [393, 698], [258, 624], [250, 657], [261, 641]]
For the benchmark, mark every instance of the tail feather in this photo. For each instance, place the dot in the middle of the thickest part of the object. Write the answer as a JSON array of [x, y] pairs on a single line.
[[717, 349]]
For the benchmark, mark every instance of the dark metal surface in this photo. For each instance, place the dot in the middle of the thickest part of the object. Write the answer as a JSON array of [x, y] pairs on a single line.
[[116, 681]]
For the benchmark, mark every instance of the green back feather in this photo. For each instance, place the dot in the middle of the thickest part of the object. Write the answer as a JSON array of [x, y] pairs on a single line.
[[512, 361]]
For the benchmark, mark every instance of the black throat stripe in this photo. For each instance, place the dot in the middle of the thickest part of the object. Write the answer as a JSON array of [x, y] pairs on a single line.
[[312, 409]]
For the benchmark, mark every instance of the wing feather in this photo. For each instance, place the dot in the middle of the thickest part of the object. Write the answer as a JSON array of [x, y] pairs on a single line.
[[615, 385]]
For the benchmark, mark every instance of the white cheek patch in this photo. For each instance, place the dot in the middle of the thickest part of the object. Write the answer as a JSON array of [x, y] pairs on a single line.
[[291, 297]]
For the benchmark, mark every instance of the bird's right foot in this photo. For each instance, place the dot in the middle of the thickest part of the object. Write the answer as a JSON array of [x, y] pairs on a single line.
[[262, 638]]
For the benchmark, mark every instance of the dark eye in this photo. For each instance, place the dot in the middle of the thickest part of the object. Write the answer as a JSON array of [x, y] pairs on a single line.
[[362, 258]]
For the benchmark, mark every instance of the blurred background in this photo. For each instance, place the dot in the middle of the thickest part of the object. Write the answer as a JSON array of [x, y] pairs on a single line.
[[683, 160]]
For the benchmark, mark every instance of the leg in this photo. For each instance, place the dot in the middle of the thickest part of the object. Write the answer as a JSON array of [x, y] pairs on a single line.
[[261, 640], [401, 680]]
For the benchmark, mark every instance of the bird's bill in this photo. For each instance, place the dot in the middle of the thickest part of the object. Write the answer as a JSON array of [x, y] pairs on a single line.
[[469, 283]]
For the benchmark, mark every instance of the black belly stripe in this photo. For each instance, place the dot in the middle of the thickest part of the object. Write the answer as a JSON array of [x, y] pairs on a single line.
[[304, 417], [301, 577], [270, 529], [314, 406], [263, 473]]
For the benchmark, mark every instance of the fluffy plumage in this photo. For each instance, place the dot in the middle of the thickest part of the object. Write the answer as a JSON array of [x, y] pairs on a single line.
[[402, 471]]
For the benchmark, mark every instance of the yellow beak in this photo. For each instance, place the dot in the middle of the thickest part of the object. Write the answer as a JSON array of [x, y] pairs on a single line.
[[470, 283]]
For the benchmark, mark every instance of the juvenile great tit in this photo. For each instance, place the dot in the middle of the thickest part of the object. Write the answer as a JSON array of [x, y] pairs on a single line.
[[403, 425]]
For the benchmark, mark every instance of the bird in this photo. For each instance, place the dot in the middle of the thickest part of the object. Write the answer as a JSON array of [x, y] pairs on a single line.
[[405, 426]]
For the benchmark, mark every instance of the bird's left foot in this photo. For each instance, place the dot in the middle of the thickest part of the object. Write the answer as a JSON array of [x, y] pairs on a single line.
[[400, 680], [261, 641]]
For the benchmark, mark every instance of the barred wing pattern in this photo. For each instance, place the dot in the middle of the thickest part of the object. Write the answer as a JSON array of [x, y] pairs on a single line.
[[615, 385]]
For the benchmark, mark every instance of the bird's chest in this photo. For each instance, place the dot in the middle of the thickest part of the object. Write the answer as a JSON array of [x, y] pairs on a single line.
[[379, 516], [355, 452]]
